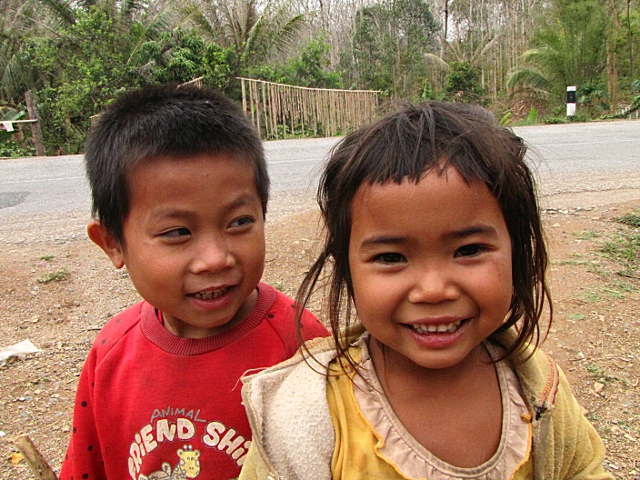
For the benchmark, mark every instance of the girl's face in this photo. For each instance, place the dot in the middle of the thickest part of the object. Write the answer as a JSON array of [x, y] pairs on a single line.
[[431, 267]]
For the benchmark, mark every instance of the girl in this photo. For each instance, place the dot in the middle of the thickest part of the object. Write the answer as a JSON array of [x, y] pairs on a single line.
[[434, 238]]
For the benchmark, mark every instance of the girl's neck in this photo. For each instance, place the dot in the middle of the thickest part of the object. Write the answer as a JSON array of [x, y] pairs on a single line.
[[455, 412], [394, 369]]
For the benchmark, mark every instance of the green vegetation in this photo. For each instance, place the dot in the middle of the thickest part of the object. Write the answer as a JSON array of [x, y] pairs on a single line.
[[517, 59], [591, 297], [624, 247], [631, 219], [587, 235], [601, 375], [56, 276]]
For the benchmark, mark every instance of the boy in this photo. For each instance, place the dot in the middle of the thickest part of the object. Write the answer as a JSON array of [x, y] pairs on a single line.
[[180, 189]]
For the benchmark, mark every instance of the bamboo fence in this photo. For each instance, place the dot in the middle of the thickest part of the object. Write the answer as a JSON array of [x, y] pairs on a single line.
[[280, 110]]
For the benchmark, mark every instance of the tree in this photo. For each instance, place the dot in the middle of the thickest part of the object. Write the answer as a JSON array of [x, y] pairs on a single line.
[[310, 68], [461, 84], [253, 30], [20, 21], [87, 61], [568, 50], [389, 47], [180, 56]]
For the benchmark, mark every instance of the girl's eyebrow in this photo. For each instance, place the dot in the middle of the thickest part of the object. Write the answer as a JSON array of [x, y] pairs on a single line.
[[481, 229], [382, 240], [472, 230]]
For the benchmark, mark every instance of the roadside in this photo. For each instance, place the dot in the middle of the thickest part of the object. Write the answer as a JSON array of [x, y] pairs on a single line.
[[58, 289]]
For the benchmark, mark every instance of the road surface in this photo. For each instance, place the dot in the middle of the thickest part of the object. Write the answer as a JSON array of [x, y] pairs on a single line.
[[578, 165]]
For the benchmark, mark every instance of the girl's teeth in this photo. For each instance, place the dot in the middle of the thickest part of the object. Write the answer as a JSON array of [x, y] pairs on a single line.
[[445, 327], [210, 295]]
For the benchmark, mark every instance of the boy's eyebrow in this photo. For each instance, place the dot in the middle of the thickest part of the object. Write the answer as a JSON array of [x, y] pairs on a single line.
[[453, 235], [177, 212]]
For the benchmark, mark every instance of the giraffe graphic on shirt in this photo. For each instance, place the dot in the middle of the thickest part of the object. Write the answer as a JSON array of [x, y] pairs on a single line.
[[188, 467]]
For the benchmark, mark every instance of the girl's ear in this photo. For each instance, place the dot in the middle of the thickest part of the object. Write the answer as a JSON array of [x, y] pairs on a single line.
[[107, 242]]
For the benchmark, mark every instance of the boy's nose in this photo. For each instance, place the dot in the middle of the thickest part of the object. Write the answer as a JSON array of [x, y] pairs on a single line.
[[434, 285], [212, 256]]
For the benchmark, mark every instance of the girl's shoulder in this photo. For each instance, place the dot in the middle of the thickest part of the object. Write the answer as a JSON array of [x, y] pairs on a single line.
[[289, 413], [306, 370]]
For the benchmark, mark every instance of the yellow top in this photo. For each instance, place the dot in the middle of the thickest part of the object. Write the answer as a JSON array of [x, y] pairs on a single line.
[[371, 442]]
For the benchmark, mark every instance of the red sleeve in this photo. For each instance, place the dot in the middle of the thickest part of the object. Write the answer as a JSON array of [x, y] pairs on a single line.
[[282, 316], [84, 455], [310, 326]]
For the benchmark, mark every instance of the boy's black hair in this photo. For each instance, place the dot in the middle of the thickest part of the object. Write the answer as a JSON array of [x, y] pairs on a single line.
[[405, 145], [164, 121]]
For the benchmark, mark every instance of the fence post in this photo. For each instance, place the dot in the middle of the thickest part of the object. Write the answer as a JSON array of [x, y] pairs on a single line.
[[36, 131], [571, 101]]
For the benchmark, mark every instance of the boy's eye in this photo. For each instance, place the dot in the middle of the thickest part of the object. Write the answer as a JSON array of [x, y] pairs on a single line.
[[241, 222], [389, 258], [469, 250], [176, 233]]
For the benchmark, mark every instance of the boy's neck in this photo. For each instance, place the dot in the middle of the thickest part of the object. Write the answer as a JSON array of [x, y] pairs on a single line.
[[189, 331]]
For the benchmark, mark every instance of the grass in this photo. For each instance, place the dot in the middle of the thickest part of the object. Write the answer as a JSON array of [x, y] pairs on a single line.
[[621, 248], [624, 247], [56, 276], [587, 235], [600, 375], [591, 297], [631, 219], [46, 258], [576, 259]]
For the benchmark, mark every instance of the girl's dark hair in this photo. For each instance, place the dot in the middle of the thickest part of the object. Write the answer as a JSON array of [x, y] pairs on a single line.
[[406, 144], [164, 121]]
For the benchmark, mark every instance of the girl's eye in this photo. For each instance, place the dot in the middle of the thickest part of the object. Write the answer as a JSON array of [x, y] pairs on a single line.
[[176, 233], [241, 222], [389, 258], [469, 250]]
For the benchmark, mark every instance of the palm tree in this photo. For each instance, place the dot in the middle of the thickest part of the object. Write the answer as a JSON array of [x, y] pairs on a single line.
[[570, 50], [19, 20], [252, 29]]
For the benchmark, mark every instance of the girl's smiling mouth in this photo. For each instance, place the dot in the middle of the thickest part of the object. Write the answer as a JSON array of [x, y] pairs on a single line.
[[437, 328]]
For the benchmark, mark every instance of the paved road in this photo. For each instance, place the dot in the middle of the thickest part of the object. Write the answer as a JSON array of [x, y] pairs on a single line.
[[579, 165]]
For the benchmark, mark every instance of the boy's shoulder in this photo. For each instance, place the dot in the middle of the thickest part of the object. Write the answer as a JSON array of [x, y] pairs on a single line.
[[119, 326], [280, 311]]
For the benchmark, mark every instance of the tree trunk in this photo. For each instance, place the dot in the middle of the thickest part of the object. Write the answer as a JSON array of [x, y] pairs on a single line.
[[612, 54], [36, 131]]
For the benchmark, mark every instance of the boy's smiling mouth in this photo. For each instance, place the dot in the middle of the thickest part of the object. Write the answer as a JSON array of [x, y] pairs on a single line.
[[211, 294]]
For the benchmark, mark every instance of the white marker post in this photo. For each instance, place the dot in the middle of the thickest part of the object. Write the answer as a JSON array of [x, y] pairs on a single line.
[[571, 101]]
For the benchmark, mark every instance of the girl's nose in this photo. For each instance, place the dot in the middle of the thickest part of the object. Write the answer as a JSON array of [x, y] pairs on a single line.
[[212, 255], [434, 285]]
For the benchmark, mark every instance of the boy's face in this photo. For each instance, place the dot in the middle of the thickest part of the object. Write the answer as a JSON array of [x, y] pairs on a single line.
[[193, 241]]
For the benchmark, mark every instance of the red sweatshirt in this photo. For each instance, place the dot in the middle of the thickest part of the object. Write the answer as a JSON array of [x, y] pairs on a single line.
[[149, 402]]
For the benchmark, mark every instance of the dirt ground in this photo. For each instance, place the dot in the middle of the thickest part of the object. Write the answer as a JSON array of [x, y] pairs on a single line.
[[57, 290]]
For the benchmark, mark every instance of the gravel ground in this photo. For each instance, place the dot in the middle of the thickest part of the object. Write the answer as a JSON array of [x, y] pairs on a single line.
[[58, 289]]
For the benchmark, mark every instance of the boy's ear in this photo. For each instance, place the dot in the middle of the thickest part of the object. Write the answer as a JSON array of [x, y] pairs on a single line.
[[107, 242]]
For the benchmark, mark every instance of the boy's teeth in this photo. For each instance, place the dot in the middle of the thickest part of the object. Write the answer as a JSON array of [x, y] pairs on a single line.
[[444, 327], [209, 295]]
